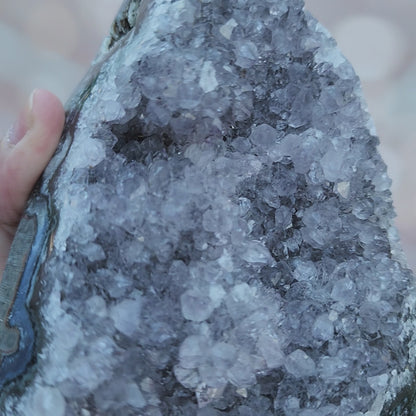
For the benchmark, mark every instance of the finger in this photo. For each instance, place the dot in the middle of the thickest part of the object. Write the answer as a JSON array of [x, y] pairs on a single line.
[[27, 150]]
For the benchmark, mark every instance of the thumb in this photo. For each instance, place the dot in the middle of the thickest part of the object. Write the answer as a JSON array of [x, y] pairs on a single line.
[[26, 150]]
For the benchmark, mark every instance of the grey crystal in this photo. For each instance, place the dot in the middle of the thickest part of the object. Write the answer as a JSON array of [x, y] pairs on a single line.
[[217, 228]]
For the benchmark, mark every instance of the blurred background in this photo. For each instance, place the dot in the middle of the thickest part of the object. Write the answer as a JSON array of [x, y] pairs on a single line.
[[50, 43]]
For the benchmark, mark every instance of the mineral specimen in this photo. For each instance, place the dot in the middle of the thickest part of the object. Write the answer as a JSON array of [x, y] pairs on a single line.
[[214, 235]]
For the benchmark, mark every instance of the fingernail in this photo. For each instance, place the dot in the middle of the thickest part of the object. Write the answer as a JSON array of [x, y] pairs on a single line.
[[31, 99], [20, 127]]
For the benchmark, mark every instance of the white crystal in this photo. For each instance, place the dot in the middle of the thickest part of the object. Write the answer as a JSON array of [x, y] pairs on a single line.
[[125, 313], [299, 364], [271, 349], [47, 398], [227, 28], [197, 305], [208, 82]]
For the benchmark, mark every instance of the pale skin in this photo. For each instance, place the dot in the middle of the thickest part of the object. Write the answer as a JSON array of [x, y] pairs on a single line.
[[24, 153]]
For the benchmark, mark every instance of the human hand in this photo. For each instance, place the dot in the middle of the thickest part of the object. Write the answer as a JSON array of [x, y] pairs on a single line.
[[24, 154]]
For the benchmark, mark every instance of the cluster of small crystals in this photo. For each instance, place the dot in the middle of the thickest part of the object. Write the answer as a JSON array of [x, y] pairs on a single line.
[[223, 245]]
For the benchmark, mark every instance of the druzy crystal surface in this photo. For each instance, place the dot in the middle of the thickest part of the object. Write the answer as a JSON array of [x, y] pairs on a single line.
[[224, 239]]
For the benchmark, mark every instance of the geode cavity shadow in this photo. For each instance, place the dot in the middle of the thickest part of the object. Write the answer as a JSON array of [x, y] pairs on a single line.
[[224, 240]]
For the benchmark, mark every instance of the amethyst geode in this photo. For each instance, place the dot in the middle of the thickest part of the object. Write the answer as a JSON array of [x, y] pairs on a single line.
[[222, 239]]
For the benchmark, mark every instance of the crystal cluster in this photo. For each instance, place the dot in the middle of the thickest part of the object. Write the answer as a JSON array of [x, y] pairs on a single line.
[[225, 241]]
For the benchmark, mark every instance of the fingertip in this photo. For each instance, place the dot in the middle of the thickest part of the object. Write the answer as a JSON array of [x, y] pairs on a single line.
[[47, 112], [47, 117], [26, 158]]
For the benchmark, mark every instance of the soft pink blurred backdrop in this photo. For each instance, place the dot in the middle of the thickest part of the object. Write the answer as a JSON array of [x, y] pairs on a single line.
[[50, 43]]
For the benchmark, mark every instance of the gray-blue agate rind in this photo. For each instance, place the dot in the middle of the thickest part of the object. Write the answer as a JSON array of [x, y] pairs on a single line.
[[214, 235]]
